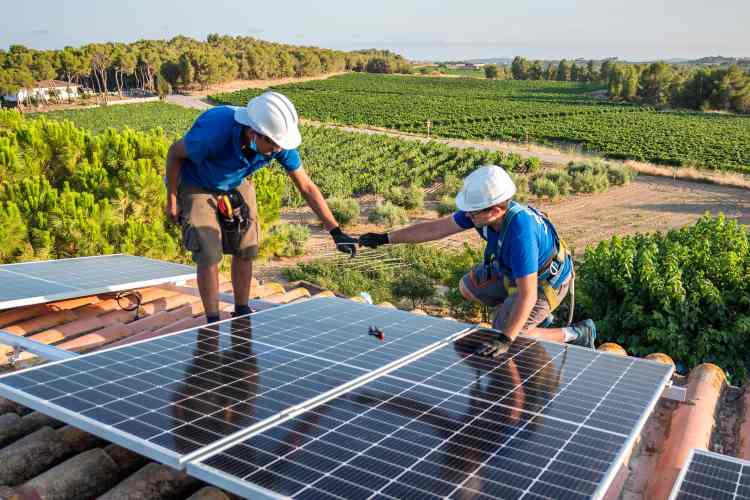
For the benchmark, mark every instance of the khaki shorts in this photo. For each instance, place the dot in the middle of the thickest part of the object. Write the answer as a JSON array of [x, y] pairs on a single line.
[[201, 233], [491, 292]]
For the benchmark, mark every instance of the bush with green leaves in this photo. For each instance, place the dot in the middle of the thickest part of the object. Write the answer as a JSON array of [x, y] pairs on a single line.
[[438, 265], [451, 185], [684, 293], [66, 192], [284, 240], [446, 205], [619, 174], [388, 214], [345, 210], [588, 177], [413, 286], [410, 197], [543, 187]]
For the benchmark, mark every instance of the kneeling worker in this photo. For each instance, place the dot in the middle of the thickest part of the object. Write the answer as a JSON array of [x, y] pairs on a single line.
[[210, 189], [527, 270]]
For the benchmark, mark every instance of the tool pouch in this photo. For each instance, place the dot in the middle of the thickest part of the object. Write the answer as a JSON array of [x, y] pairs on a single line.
[[234, 225]]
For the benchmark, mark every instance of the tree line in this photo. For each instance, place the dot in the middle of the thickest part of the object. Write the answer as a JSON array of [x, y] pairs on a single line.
[[657, 84], [158, 66]]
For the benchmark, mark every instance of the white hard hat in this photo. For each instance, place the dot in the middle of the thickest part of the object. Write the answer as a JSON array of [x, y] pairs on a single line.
[[274, 116], [485, 187]]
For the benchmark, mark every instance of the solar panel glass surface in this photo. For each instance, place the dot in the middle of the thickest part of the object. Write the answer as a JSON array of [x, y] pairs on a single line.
[[711, 476], [453, 424], [38, 282], [172, 396]]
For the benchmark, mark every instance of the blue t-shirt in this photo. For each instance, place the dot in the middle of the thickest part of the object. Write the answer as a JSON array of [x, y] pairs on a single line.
[[215, 160], [529, 243]]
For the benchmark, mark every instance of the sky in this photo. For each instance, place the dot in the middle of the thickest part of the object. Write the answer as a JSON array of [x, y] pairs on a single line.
[[418, 29]]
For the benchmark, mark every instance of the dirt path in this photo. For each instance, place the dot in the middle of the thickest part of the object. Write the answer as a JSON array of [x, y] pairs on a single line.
[[647, 204], [256, 84]]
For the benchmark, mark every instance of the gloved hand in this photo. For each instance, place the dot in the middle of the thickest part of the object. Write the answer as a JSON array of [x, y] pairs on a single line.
[[344, 242], [374, 240], [494, 348]]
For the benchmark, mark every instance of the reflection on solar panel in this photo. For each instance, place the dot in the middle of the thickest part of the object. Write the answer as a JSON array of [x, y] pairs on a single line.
[[28, 283], [544, 421], [169, 398], [711, 476]]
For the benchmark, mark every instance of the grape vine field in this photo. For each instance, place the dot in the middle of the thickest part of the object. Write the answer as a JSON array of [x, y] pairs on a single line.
[[536, 111]]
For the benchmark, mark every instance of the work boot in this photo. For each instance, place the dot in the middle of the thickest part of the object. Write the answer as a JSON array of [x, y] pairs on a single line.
[[586, 331], [548, 321]]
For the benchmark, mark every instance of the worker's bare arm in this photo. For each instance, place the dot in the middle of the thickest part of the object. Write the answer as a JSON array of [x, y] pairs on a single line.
[[312, 195], [176, 154], [426, 231], [527, 297]]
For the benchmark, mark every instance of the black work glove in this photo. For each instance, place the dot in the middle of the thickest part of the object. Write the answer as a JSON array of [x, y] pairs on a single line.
[[344, 242], [494, 348], [374, 240]]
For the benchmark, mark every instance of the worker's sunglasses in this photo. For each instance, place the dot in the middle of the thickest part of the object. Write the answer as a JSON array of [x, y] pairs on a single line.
[[473, 213], [269, 141]]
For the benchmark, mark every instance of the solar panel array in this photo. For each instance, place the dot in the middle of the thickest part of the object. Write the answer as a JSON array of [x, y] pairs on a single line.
[[543, 421], [38, 282], [711, 476], [172, 396]]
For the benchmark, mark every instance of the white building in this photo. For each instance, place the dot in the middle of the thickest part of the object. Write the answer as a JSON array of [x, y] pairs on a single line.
[[45, 91]]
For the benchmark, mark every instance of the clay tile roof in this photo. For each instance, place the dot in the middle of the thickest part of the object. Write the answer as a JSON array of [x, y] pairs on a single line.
[[42, 458]]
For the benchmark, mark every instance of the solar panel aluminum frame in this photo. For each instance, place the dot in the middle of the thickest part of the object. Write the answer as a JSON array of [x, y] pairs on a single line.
[[198, 469], [174, 460], [601, 491], [74, 292], [689, 460]]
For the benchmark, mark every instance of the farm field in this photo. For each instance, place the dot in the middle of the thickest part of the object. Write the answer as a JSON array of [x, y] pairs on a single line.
[[536, 111]]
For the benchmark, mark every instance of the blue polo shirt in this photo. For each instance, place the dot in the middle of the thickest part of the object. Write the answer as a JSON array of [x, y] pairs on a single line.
[[215, 160], [529, 243]]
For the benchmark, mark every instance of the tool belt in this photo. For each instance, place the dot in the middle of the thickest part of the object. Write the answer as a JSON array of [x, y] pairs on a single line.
[[234, 219]]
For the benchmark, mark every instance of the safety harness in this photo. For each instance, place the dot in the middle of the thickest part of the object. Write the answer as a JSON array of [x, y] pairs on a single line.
[[234, 219], [549, 274]]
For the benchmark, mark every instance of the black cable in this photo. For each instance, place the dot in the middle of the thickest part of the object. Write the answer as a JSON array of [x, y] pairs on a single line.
[[135, 297]]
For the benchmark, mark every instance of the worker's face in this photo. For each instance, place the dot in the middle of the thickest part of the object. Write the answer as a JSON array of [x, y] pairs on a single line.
[[265, 145], [485, 217]]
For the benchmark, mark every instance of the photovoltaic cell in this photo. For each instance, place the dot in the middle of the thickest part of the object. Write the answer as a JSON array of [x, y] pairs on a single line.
[[455, 425], [38, 282], [172, 396], [337, 330], [711, 476]]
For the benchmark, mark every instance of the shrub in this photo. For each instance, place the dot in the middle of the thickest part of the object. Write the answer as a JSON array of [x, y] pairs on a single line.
[[389, 214], [588, 177], [451, 185], [284, 240], [411, 197], [531, 165], [684, 293], [544, 188], [522, 187], [344, 210], [413, 286], [619, 175], [446, 205]]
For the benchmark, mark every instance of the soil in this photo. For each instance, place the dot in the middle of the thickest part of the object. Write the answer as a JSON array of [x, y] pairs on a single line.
[[647, 204]]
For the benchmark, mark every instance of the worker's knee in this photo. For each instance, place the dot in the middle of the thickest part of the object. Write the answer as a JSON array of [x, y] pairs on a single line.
[[465, 292]]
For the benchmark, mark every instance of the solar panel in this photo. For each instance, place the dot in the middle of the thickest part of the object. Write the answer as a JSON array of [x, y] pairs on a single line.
[[711, 476], [28, 283], [171, 397], [543, 421]]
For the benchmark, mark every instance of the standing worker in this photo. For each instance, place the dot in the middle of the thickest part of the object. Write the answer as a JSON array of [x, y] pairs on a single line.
[[527, 269], [210, 190]]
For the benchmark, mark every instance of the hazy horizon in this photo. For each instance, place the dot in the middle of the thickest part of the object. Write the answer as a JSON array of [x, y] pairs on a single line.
[[419, 30]]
